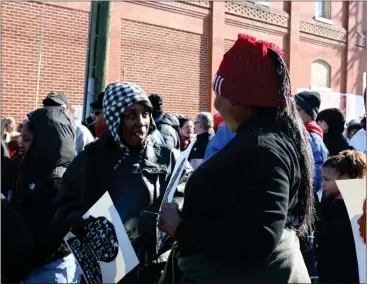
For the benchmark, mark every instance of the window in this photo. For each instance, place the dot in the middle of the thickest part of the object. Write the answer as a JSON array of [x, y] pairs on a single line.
[[267, 4], [323, 10], [263, 3], [320, 75]]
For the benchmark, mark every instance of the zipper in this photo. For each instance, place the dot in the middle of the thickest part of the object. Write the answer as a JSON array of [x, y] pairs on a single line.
[[146, 186]]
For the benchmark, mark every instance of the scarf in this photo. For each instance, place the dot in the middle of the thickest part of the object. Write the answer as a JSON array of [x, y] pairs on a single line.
[[315, 128], [184, 142]]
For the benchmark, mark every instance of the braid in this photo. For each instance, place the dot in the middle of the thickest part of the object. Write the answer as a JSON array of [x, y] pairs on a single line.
[[292, 126]]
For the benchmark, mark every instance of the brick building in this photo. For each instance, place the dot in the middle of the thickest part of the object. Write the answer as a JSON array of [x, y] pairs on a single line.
[[174, 48]]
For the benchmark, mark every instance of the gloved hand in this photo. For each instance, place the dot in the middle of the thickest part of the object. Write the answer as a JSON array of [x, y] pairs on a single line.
[[142, 227], [79, 226]]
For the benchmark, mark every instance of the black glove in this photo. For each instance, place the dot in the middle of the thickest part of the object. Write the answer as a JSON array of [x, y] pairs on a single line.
[[142, 227], [79, 226]]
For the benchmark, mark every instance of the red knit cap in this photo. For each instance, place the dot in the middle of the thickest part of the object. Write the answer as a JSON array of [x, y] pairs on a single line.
[[217, 119], [247, 75]]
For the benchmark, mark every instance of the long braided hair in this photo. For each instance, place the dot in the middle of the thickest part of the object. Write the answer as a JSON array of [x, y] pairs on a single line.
[[292, 126]]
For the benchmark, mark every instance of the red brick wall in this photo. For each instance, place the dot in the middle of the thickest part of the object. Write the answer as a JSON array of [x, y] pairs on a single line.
[[169, 62], [170, 48], [63, 55]]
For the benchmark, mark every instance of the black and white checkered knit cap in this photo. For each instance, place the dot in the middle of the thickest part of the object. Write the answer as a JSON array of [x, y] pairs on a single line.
[[118, 97]]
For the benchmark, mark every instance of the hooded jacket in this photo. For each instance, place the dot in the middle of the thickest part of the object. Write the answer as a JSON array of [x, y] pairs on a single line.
[[169, 126], [334, 140], [52, 150]]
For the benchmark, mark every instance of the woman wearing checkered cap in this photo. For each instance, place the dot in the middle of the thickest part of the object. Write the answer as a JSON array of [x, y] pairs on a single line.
[[129, 164]]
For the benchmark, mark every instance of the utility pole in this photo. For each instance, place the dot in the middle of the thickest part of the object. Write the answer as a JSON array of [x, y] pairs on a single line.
[[98, 52]]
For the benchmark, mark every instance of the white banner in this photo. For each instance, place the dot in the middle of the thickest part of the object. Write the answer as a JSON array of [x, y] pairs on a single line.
[[104, 254], [354, 195], [173, 183]]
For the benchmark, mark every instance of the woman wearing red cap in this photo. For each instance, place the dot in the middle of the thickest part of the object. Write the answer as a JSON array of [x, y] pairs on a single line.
[[238, 222]]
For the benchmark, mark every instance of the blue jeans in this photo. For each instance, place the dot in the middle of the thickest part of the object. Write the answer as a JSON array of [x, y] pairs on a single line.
[[62, 270]]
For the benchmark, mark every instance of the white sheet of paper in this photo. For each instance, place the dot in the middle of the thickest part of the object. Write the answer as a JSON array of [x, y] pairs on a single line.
[[354, 193], [125, 260], [177, 172], [173, 183]]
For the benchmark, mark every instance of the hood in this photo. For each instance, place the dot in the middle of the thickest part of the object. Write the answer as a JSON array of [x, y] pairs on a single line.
[[172, 120], [53, 143], [118, 97], [334, 118]]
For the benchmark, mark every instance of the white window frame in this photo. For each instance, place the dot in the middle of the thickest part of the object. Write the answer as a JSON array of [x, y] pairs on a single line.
[[320, 89], [319, 13], [267, 4], [263, 3]]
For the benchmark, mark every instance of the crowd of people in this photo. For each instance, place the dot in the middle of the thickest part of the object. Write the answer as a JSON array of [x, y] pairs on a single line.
[[257, 201]]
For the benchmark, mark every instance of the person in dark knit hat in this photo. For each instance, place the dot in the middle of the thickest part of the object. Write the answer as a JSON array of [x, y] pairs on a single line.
[[157, 103], [167, 124], [332, 123], [308, 104], [238, 220]]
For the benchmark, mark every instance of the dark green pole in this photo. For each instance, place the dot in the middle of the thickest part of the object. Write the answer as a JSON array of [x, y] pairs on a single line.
[[102, 46], [98, 52]]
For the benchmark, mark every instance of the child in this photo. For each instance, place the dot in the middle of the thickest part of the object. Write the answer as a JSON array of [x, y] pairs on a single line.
[[337, 256]]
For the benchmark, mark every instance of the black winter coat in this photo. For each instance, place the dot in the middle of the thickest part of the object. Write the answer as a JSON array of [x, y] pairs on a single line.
[[17, 245], [169, 128], [52, 149], [239, 202], [202, 141], [335, 143], [337, 256], [90, 175]]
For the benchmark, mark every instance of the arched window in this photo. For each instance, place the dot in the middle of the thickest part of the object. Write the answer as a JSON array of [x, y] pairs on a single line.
[[320, 74]]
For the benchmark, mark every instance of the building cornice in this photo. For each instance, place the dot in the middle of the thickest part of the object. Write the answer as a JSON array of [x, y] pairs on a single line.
[[256, 26], [316, 40], [178, 8], [332, 32], [200, 4], [361, 40], [258, 13]]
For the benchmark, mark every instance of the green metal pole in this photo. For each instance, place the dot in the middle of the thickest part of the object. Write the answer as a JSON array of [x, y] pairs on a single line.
[[102, 46]]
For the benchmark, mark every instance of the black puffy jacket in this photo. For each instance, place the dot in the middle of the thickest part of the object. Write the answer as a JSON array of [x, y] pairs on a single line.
[[91, 174], [169, 128]]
